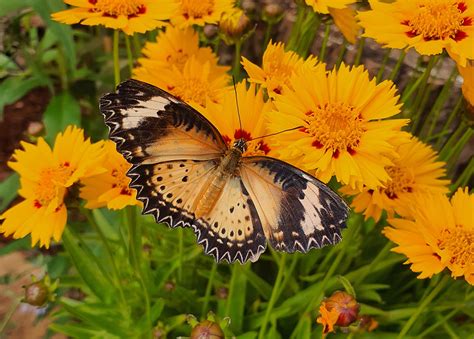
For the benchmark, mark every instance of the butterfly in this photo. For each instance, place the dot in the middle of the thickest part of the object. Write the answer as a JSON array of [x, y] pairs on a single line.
[[186, 175]]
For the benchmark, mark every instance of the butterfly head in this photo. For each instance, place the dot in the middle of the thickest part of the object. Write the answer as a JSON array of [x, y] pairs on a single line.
[[240, 144]]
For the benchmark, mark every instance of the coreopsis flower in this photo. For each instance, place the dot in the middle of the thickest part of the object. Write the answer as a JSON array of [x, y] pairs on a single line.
[[323, 6], [111, 187], [430, 26], [174, 47], [45, 177], [340, 309], [439, 235], [345, 20], [467, 74], [253, 109], [197, 84], [415, 170], [192, 12], [277, 68], [130, 16], [344, 130]]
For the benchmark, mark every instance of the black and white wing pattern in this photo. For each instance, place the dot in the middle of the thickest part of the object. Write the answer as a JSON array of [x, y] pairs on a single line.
[[297, 211], [175, 153]]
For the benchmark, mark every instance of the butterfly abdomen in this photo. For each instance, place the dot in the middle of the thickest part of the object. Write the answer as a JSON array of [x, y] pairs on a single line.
[[211, 192]]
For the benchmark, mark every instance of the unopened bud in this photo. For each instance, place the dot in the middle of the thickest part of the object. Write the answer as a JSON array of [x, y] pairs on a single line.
[[207, 330], [272, 11], [222, 293], [340, 309], [234, 25], [367, 323], [210, 30], [39, 292]]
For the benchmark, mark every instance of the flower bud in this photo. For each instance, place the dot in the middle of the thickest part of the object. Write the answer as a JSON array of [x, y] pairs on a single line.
[[39, 292], [340, 309], [222, 293], [234, 26], [367, 323], [272, 11], [169, 286], [207, 330], [210, 31]]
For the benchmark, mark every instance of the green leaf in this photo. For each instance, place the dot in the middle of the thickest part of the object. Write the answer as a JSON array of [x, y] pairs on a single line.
[[8, 7], [64, 33], [63, 110], [236, 301], [262, 287], [8, 190], [347, 285], [20, 244], [13, 88], [248, 335], [87, 266]]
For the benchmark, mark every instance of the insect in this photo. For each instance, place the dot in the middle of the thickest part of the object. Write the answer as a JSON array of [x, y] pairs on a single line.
[[186, 175]]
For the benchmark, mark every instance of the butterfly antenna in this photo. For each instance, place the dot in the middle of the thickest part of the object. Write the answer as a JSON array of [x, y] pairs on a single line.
[[272, 134], [237, 103]]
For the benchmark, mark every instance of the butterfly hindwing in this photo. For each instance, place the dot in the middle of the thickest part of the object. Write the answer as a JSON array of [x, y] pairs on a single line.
[[151, 126], [296, 210], [170, 191]]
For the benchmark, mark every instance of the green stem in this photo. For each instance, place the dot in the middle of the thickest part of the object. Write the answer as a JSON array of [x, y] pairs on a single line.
[[407, 93], [449, 121], [135, 252], [380, 256], [424, 303], [273, 297], [438, 323], [386, 57], [7, 317], [268, 33], [236, 68], [137, 45], [116, 57], [296, 29], [108, 249], [180, 253], [322, 52], [342, 53], [129, 54], [207, 296], [398, 65], [360, 50]]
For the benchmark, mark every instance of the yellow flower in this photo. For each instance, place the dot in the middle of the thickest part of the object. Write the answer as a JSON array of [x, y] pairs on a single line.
[[467, 74], [440, 235], [45, 176], [322, 6], [174, 47], [277, 68], [131, 16], [110, 188], [197, 84], [427, 25], [345, 20], [252, 109], [344, 130], [414, 171], [192, 12]]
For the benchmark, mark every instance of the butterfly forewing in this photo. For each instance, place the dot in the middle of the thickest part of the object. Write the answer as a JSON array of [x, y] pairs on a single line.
[[298, 212], [151, 126]]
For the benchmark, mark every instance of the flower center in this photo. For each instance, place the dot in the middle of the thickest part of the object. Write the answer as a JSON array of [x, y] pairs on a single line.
[[191, 89], [197, 9], [458, 244], [438, 20], [335, 126], [178, 58], [115, 8], [402, 181], [254, 147], [51, 180]]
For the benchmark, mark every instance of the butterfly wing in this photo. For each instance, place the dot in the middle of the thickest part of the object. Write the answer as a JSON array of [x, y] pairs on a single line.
[[175, 153], [170, 191], [297, 212], [150, 126]]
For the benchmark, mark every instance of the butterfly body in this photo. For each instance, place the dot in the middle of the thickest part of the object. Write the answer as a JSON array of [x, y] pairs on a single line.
[[186, 175]]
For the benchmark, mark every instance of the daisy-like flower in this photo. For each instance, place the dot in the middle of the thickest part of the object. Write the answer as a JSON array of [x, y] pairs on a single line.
[[130, 16], [427, 25], [45, 176], [174, 47], [197, 84], [277, 68], [343, 126], [253, 110], [192, 12], [109, 188], [415, 170], [345, 20], [467, 74], [323, 6], [440, 235]]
